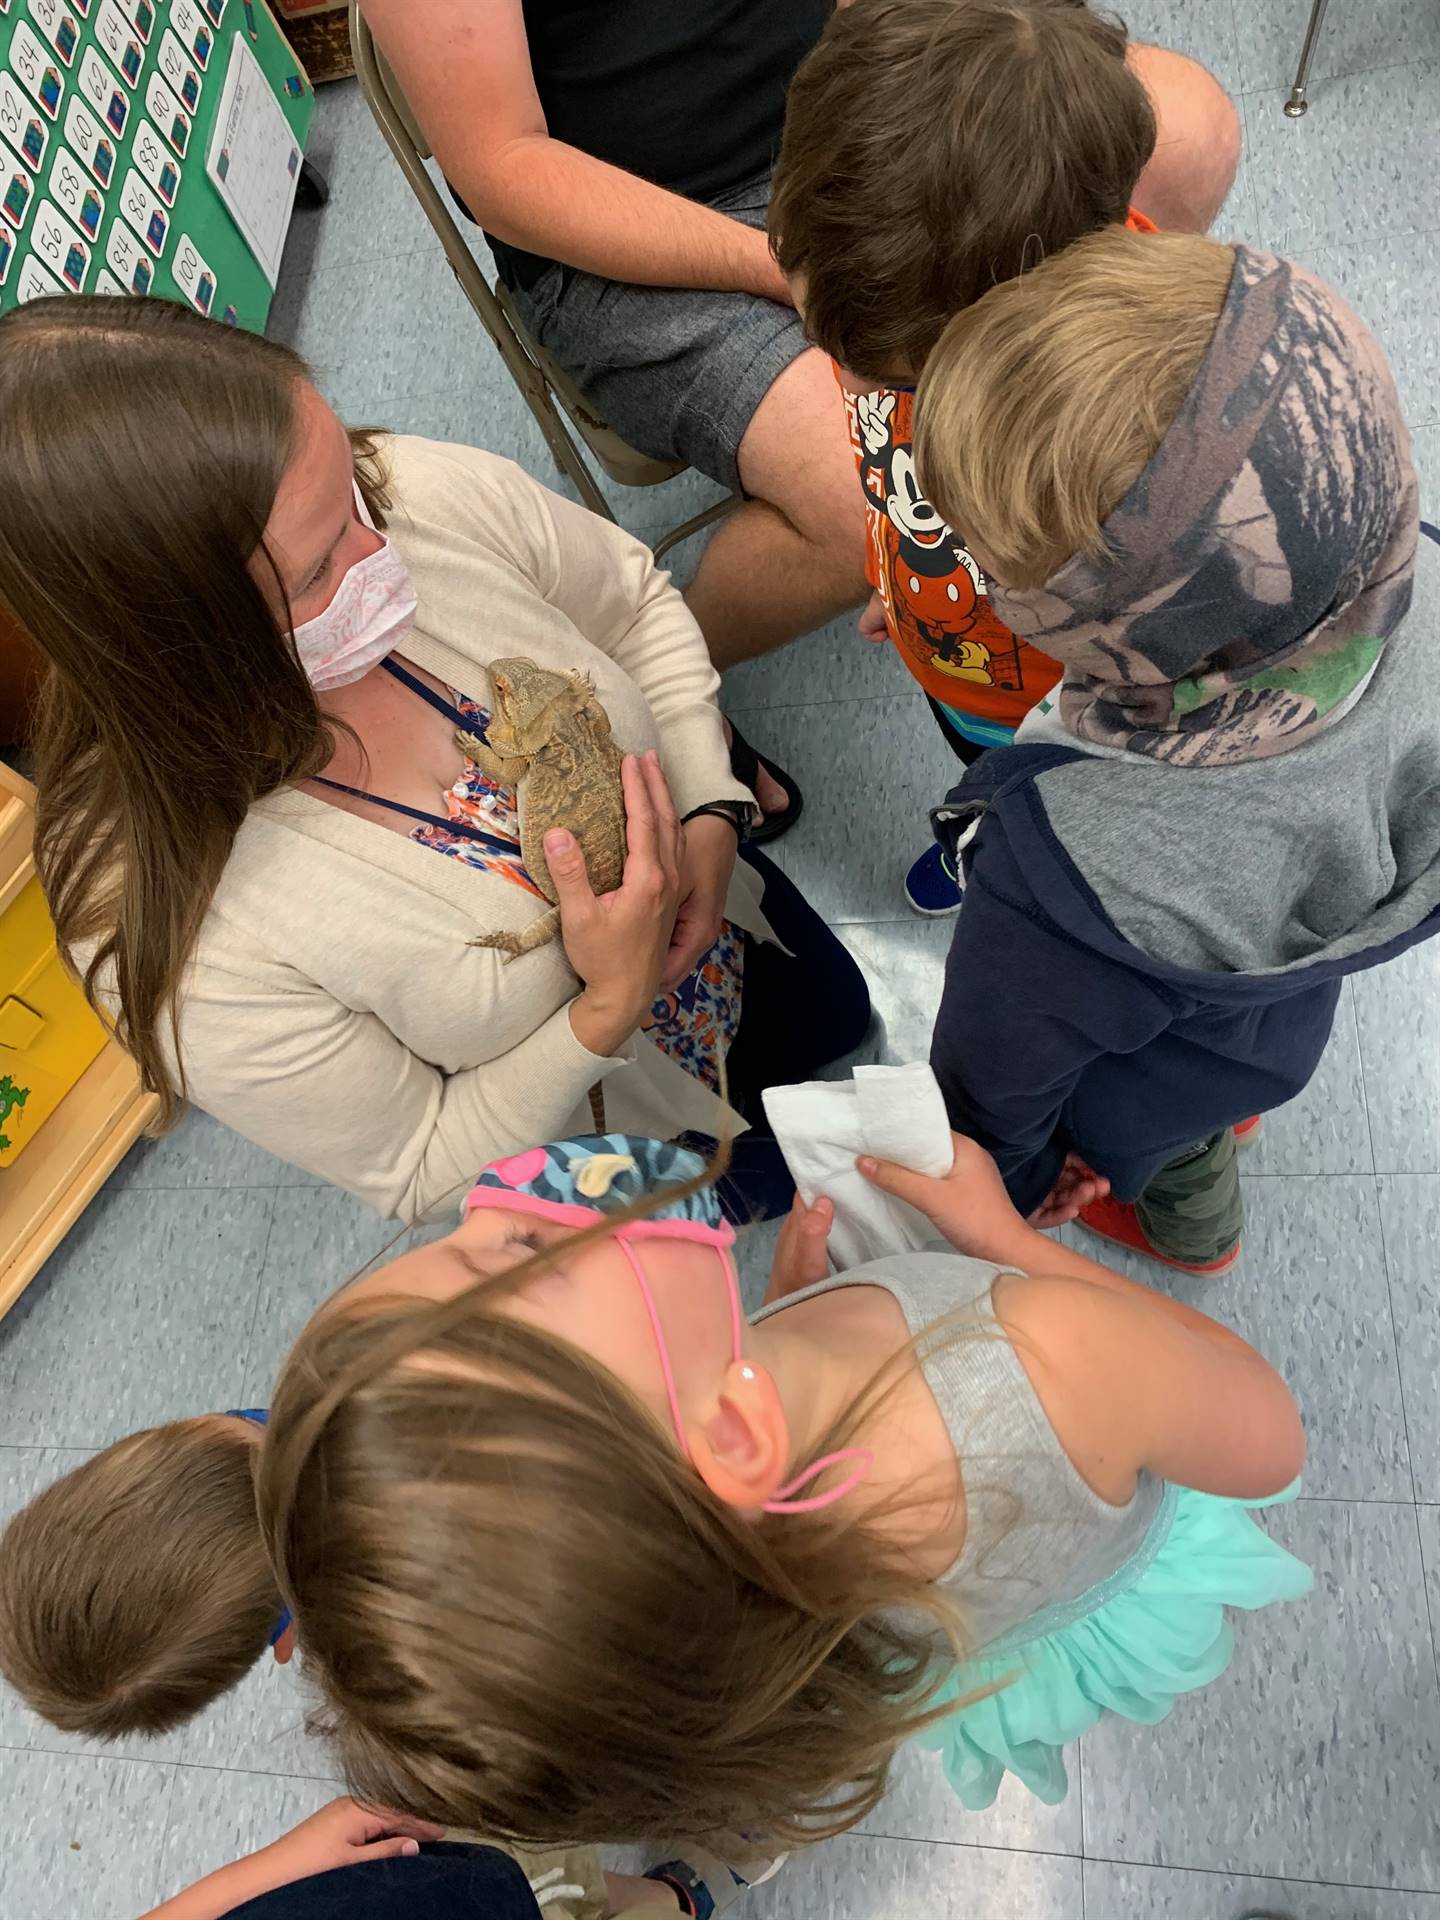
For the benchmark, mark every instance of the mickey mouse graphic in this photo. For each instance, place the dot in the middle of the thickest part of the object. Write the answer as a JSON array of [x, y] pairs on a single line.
[[932, 587]]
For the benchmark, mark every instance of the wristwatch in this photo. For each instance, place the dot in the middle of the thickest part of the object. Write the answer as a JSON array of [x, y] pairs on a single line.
[[735, 813]]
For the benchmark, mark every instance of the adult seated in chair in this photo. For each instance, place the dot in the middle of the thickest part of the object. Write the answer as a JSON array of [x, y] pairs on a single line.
[[284, 781], [618, 154]]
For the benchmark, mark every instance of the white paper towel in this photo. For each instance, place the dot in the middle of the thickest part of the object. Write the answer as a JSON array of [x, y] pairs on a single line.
[[895, 1113]]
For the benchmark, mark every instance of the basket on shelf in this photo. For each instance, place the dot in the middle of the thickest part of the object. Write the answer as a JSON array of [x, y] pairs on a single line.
[[319, 32]]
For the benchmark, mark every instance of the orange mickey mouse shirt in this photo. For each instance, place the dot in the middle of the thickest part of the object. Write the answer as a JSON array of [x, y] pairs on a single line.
[[937, 605]]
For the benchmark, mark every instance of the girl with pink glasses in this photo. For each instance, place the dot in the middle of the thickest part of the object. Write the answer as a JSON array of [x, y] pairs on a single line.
[[575, 1548]]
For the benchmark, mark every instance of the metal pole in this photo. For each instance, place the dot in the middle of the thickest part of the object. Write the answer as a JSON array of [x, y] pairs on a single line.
[[1297, 103]]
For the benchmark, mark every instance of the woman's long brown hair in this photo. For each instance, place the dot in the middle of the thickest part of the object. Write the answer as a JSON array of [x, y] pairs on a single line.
[[141, 449], [528, 1614]]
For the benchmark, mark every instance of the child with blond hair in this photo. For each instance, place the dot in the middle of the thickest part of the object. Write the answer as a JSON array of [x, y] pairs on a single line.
[[1195, 492], [135, 1592], [933, 149]]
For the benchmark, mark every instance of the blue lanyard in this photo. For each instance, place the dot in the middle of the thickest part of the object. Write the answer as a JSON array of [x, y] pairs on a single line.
[[497, 842], [393, 667]]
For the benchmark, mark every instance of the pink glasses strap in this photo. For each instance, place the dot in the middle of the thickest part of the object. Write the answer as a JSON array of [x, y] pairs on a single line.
[[666, 1370], [783, 1503], [783, 1500], [732, 1283]]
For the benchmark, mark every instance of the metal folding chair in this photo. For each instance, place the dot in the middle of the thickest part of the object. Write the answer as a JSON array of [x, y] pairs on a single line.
[[541, 380]]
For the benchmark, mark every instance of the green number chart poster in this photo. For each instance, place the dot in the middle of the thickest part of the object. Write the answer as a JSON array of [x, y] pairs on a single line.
[[107, 111]]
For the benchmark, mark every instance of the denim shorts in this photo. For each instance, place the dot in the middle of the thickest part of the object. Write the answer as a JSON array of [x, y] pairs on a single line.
[[679, 373]]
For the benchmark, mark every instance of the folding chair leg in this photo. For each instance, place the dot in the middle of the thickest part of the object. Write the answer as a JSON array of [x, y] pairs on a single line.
[[1297, 104], [698, 521], [536, 393], [563, 451]]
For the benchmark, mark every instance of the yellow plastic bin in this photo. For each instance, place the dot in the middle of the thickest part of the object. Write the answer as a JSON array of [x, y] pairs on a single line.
[[70, 1097], [48, 1034]]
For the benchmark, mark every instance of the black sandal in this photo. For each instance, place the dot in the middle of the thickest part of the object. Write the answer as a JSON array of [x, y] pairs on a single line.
[[745, 764]]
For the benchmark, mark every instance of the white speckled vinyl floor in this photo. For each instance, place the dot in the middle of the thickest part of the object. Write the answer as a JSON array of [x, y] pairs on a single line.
[[1308, 1779]]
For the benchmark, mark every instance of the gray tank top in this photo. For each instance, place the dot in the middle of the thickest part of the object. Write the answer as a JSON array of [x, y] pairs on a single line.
[[1037, 1537]]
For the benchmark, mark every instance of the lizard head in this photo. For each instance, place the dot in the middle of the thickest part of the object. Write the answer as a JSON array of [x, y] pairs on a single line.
[[526, 695]]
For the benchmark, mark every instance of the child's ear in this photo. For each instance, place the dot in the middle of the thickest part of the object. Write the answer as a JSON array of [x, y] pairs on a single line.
[[741, 1448], [284, 1647]]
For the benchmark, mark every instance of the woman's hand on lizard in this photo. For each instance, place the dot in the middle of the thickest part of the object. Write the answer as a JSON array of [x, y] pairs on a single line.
[[618, 942], [706, 864]]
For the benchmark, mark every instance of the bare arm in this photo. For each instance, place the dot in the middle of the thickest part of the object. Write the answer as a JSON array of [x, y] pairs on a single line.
[[1130, 1382], [464, 66], [971, 1208], [1128, 1376]]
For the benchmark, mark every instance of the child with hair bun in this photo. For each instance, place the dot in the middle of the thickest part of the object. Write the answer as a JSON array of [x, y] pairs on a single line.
[[575, 1548]]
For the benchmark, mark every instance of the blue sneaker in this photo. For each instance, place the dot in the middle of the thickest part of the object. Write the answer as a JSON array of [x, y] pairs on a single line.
[[932, 886]]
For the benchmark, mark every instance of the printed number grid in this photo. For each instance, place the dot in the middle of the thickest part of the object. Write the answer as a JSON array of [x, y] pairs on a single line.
[[106, 107]]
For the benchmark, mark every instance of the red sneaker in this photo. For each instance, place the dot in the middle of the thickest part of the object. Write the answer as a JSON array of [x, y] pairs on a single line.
[[1247, 1132], [1117, 1220]]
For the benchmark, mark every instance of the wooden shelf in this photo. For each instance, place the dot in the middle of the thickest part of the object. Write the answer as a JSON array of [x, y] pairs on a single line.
[[52, 1182], [66, 1164], [17, 821]]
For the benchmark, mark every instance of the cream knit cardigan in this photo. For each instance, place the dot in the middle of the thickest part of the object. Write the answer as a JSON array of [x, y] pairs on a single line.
[[332, 1011]]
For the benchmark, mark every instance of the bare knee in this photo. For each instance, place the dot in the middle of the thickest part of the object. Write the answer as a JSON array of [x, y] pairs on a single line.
[[796, 456], [1197, 146]]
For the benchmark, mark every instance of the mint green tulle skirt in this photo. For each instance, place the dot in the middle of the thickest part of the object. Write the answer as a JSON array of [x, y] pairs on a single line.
[[1155, 1629]]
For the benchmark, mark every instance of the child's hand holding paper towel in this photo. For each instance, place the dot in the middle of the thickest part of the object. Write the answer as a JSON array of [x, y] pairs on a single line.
[[879, 1150], [970, 1206], [824, 1126]]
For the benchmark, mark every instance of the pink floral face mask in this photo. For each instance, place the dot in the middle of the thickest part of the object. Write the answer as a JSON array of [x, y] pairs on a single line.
[[577, 1182], [373, 610]]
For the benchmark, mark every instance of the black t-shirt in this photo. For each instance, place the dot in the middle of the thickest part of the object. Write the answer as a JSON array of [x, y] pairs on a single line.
[[689, 94]]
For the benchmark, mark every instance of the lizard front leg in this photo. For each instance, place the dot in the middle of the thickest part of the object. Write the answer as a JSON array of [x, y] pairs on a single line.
[[494, 766]]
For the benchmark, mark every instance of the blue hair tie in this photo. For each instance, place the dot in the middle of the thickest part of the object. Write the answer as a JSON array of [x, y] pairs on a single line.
[[260, 1416]]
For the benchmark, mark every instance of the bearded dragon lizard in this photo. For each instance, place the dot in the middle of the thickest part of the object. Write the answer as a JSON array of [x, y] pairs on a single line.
[[549, 739]]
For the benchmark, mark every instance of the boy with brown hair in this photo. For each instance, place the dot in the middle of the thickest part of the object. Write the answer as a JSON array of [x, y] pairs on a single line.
[[1198, 496], [136, 1590], [934, 148]]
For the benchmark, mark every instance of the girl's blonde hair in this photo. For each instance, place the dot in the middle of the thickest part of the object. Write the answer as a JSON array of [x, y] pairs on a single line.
[[529, 1615], [1044, 402]]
